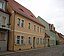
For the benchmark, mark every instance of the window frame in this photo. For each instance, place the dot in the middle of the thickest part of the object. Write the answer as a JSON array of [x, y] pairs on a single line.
[[29, 40], [22, 23], [18, 21], [37, 41], [40, 40], [22, 39], [17, 40], [1, 5], [29, 25], [34, 27], [38, 29]]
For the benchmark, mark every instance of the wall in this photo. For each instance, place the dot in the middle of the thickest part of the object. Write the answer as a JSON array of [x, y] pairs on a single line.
[[24, 31]]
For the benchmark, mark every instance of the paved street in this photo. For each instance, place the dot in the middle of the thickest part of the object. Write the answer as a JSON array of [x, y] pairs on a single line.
[[49, 51]]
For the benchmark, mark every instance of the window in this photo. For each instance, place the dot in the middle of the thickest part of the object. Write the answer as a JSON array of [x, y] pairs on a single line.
[[40, 30], [22, 23], [3, 20], [37, 41], [29, 40], [2, 36], [1, 5], [40, 40], [18, 39], [34, 27], [22, 39], [31, 15], [28, 25], [37, 29], [21, 9], [18, 23]]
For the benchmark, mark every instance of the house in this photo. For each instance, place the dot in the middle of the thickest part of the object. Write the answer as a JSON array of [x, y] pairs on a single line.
[[59, 38], [4, 25], [52, 35], [50, 31], [26, 30]]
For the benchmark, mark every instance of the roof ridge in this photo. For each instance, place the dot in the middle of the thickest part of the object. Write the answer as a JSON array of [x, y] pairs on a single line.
[[42, 19]]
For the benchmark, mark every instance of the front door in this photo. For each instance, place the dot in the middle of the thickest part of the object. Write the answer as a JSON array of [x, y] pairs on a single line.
[[34, 42], [48, 43]]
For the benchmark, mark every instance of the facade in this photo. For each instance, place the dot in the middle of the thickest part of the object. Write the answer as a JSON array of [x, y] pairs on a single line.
[[4, 25], [59, 38], [26, 31], [50, 30], [52, 35], [20, 29]]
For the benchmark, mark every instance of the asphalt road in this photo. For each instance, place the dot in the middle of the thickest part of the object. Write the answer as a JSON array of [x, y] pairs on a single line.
[[49, 51]]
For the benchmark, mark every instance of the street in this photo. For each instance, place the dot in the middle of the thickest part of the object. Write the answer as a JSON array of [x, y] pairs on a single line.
[[48, 51]]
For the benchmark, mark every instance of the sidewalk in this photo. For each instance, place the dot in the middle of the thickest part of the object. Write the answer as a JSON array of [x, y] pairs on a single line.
[[11, 52], [47, 51]]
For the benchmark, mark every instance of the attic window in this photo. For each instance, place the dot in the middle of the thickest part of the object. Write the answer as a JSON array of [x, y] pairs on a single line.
[[21, 9], [31, 15]]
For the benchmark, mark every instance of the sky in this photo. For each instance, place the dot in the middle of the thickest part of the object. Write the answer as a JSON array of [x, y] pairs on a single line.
[[50, 10]]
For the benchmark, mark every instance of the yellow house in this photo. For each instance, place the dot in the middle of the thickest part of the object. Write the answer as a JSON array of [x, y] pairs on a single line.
[[26, 31]]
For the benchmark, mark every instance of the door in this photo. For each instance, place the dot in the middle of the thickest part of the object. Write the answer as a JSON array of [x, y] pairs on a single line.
[[3, 42], [48, 43], [33, 42]]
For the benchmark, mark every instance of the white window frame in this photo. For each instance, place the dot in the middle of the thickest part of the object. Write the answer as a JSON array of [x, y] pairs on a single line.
[[37, 41], [22, 23], [40, 40], [18, 21], [29, 40], [29, 25], [34, 27], [1, 5], [18, 39], [22, 40]]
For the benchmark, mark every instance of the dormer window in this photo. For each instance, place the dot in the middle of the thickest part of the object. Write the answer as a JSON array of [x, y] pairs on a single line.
[[31, 15], [21, 9], [1, 5]]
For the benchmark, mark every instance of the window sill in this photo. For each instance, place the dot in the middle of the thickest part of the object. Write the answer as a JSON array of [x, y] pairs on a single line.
[[19, 44]]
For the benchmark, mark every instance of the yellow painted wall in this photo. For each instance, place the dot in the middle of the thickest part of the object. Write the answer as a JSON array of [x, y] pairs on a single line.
[[25, 29]]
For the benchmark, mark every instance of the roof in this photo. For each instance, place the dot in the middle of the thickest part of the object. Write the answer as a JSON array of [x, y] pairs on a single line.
[[23, 11], [60, 35], [5, 0]]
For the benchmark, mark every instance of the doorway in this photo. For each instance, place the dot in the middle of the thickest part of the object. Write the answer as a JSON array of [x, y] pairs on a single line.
[[33, 42]]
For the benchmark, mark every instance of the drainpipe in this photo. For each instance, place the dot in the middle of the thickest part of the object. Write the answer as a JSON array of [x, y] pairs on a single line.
[[8, 37], [13, 30]]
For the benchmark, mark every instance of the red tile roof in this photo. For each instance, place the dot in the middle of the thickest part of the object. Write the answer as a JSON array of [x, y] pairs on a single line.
[[23, 11]]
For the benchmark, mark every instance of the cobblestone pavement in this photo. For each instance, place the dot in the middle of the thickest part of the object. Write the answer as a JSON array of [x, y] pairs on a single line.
[[49, 51]]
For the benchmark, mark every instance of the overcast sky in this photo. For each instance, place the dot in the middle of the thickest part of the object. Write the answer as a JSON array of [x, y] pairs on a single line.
[[50, 10]]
